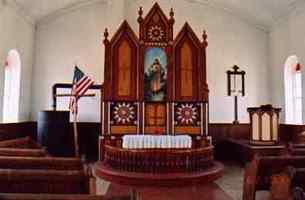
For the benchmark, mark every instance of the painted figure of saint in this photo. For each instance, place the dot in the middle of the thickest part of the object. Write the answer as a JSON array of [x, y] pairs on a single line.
[[155, 69]]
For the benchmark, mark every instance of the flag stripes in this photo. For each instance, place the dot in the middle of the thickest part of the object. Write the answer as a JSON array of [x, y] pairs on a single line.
[[81, 83]]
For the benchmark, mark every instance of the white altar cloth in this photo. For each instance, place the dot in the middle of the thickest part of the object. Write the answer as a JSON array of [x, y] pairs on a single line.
[[156, 141]]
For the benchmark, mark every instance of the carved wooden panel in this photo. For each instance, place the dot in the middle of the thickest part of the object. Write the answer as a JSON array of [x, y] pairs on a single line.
[[188, 68], [156, 73], [186, 71], [124, 69], [156, 28], [121, 65], [155, 118]]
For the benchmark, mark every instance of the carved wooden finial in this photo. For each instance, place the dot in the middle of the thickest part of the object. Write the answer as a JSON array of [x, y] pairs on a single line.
[[172, 14], [140, 18], [106, 34], [205, 38]]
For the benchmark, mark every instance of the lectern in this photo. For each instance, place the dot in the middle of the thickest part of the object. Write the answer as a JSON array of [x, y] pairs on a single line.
[[264, 125]]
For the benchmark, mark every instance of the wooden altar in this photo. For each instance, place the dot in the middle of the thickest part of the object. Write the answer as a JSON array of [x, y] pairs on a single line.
[[155, 84]]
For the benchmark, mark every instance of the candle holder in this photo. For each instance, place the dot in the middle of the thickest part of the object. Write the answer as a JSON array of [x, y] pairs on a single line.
[[236, 87]]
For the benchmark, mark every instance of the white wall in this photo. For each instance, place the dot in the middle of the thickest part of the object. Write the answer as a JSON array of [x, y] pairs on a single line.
[[17, 32], [286, 38], [76, 36]]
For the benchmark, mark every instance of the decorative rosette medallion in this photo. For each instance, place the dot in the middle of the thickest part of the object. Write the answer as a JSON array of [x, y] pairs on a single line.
[[155, 33], [187, 114], [123, 113]]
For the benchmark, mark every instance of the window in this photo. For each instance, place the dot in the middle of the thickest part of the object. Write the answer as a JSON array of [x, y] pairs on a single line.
[[12, 87], [293, 91]]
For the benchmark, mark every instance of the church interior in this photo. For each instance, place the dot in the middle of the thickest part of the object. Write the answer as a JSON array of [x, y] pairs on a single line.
[[152, 100]]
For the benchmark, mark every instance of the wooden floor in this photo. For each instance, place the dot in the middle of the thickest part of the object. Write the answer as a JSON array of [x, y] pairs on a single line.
[[204, 192]]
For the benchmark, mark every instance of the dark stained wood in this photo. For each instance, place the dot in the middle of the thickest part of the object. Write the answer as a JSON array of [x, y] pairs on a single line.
[[259, 171], [245, 152], [156, 17], [89, 131], [25, 142], [23, 152], [56, 163], [114, 53], [88, 135], [20, 129], [222, 131], [189, 49], [280, 186], [159, 179], [43, 181], [26, 196], [158, 160], [199, 192], [290, 132], [124, 73]]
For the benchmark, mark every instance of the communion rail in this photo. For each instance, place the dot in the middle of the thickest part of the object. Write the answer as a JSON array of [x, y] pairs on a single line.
[[158, 160]]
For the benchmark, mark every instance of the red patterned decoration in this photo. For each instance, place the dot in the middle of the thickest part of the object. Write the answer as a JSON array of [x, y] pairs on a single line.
[[124, 113], [187, 114]]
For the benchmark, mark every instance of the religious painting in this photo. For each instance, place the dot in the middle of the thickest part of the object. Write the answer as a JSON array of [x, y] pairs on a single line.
[[155, 70]]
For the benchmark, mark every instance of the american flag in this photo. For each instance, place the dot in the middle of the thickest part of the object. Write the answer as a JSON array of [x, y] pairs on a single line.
[[81, 83]]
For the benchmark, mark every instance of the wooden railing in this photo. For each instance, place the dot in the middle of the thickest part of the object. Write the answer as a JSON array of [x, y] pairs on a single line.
[[158, 160]]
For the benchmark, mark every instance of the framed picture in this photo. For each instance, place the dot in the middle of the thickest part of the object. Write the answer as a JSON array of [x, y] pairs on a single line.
[[155, 72]]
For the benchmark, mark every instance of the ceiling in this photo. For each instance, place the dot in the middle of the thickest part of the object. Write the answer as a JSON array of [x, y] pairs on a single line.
[[262, 12], [39, 9]]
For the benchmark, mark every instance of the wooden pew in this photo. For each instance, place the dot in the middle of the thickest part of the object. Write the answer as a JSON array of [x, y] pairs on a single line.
[[56, 163], [259, 171], [43, 181], [25, 142], [298, 193], [288, 185], [24, 196], [23, 152]]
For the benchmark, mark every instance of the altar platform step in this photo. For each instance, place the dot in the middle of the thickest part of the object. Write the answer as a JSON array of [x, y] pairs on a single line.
[[209, 191]]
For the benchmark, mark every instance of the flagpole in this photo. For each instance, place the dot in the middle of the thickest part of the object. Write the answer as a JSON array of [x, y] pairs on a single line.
[[76, 147]]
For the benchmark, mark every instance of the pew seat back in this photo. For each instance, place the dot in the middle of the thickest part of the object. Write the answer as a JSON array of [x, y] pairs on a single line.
[[25, 196], [22, 152], [24, 142], [43, 181], [58, 163], [259, 171]]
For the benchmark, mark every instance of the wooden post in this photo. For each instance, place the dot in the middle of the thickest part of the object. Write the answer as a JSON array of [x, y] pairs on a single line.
[[235, 111], [76, 147]]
